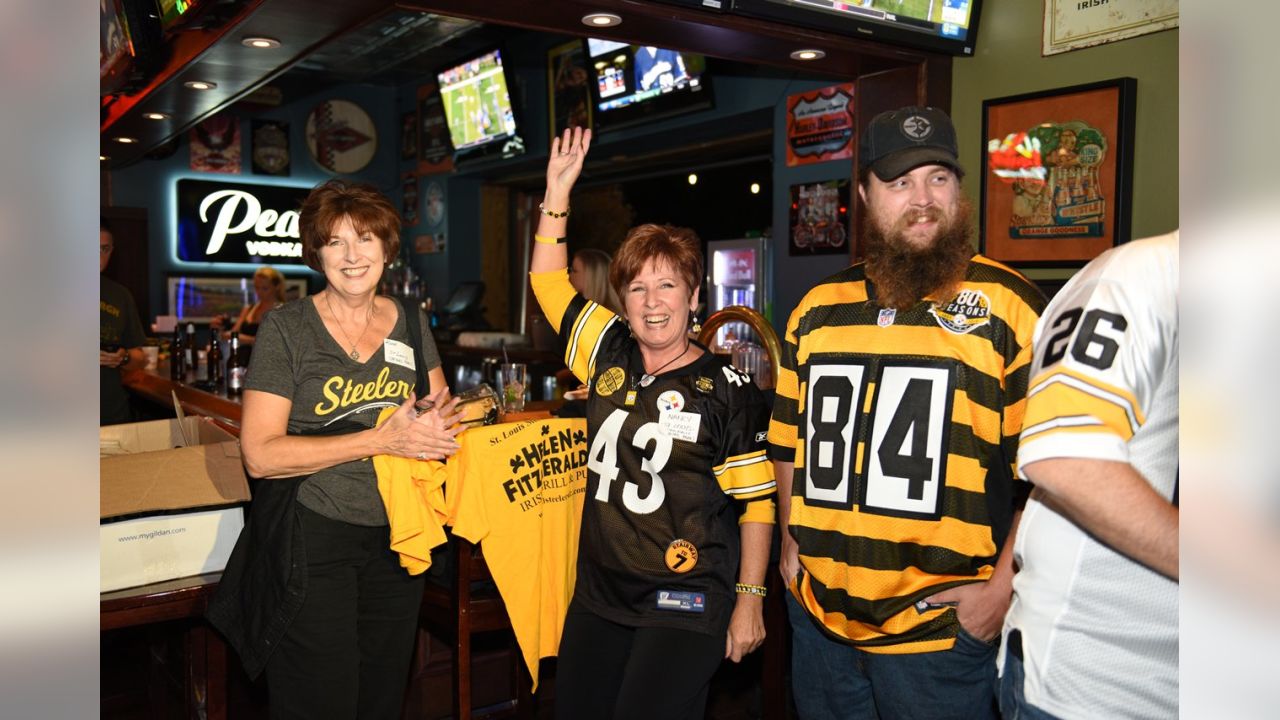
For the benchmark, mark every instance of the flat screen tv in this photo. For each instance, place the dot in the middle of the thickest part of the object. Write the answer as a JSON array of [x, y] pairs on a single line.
[[477, 107], [945, 26], [634, 83]]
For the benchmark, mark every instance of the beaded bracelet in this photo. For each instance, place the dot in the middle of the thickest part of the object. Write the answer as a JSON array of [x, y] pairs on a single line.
[[746, 589], [548, 240], [553, 213]]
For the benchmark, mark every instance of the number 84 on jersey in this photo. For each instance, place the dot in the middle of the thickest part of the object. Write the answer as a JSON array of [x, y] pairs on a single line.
[[904, 464]]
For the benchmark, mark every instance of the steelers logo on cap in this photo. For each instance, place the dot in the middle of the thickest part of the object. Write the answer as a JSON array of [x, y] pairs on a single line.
[[610, 380], [681, 556], [917, 127]]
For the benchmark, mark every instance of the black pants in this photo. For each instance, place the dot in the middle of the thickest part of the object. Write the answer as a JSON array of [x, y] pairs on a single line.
[[606, 670], [347, 653]]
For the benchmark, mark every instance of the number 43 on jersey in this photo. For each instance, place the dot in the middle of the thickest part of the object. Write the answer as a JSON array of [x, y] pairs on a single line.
[[905, 461]]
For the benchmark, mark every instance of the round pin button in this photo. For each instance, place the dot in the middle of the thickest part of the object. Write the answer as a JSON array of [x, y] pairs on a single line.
[[681, 556]]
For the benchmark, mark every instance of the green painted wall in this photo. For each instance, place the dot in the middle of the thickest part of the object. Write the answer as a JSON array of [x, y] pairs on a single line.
[[1008, 62]]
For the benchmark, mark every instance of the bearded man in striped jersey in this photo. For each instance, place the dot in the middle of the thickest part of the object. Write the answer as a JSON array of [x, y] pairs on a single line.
[[899, 404]]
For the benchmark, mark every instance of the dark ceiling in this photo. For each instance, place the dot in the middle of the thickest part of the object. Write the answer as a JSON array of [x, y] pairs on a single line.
[[327, 42]]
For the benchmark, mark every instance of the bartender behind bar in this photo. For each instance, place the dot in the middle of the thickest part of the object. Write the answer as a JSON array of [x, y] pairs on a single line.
[[120, 337]]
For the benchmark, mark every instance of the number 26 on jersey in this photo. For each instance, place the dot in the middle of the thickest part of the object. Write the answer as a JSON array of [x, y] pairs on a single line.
[[904, 464]]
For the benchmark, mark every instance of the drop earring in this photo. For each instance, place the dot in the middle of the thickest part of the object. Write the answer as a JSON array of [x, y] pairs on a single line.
[[695, 326]]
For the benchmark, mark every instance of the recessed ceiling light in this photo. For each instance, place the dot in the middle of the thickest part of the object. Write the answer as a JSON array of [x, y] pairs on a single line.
[[261, 43], [693, 178], [125, 140], [155, 116], [755, 188], [103, 158], [808, 54], [200, 84], [601, 19]]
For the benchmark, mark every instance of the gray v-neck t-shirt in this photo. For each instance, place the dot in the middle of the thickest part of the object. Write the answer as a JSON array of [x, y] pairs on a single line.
[[295, 357]]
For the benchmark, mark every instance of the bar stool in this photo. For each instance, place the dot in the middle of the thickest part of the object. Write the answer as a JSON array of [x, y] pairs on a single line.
[[471, 605]]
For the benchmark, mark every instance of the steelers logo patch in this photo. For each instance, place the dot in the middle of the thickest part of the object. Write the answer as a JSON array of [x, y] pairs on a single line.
[[670, 401], [608, 382], [917, 128], [966, 312], [681, 556]]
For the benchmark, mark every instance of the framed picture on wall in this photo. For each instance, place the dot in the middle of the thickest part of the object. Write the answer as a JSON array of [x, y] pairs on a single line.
[[1072, 24], [1057, 173], [194, 298], [568, 94], [409, 135], [820, 218]]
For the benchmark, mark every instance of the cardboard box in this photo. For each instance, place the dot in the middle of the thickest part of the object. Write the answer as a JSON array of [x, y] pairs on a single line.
[[172, 499]]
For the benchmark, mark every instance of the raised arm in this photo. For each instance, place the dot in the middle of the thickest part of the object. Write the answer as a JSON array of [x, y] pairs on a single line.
[[563, 168]]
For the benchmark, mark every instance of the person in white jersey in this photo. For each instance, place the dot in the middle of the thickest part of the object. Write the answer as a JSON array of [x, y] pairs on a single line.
[[1093, 628]]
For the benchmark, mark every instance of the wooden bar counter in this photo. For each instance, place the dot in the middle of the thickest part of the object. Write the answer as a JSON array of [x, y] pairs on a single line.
[[155, 386]]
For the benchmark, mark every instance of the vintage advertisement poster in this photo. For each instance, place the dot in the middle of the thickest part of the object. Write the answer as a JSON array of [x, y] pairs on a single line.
[[409, 199], [1074, 24], [215, 145], [820, 125], [341, 136], [435, 149], [820, 218], [270, 147], [409, 135], [1057, 175], [567, 88]]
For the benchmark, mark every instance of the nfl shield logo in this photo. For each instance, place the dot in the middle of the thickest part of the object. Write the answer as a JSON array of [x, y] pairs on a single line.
[[886, 317]]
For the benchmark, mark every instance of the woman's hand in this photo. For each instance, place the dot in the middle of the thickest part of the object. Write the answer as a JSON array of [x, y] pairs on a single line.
[[115, 359], [746, 627], [565, 163], [429, 436]]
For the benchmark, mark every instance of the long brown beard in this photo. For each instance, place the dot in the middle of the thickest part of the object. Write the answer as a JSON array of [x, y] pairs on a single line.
[[903, 274]]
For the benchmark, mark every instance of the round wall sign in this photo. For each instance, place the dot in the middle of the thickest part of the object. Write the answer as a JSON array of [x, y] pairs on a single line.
[[341, 136]]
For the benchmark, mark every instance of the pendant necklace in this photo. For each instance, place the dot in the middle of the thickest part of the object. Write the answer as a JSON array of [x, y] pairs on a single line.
[[354, 354], [647, 379]]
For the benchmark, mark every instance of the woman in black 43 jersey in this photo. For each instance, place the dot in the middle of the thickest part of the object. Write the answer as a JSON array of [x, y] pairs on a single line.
[[676, 522]]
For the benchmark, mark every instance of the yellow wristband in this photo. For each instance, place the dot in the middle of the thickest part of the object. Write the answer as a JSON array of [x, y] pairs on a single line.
[[547, 240], [745, 589]]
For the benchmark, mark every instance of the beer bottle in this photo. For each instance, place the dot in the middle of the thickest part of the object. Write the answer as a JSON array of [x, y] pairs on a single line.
[[215, 361], [177, 356], [235, 371], [193, 357]]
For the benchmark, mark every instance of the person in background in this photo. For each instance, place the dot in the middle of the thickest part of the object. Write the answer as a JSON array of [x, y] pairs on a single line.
[[120, 337], [268, 285], [1093, 628], [589, 275], [899, 403], [313, 593], [678, 512]]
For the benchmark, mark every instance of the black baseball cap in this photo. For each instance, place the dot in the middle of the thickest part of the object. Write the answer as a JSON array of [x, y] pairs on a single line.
[[898, 141]]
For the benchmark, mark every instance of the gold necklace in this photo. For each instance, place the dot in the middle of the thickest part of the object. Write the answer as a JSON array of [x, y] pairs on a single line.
[[354, 354]]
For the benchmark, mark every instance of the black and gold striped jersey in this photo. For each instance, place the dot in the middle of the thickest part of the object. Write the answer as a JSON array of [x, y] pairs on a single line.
[[903, 427], [666, 462]]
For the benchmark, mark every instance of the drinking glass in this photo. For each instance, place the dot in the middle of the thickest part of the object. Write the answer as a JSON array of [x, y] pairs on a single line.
[[512, 380]]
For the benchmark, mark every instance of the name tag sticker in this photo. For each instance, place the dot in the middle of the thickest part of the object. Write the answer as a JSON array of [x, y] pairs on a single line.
[[681, 601], [680, 425], [398, 353]]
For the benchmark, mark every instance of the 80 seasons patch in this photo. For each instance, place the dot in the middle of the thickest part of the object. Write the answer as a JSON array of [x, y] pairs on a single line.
[[609, 381], [964, 313]]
